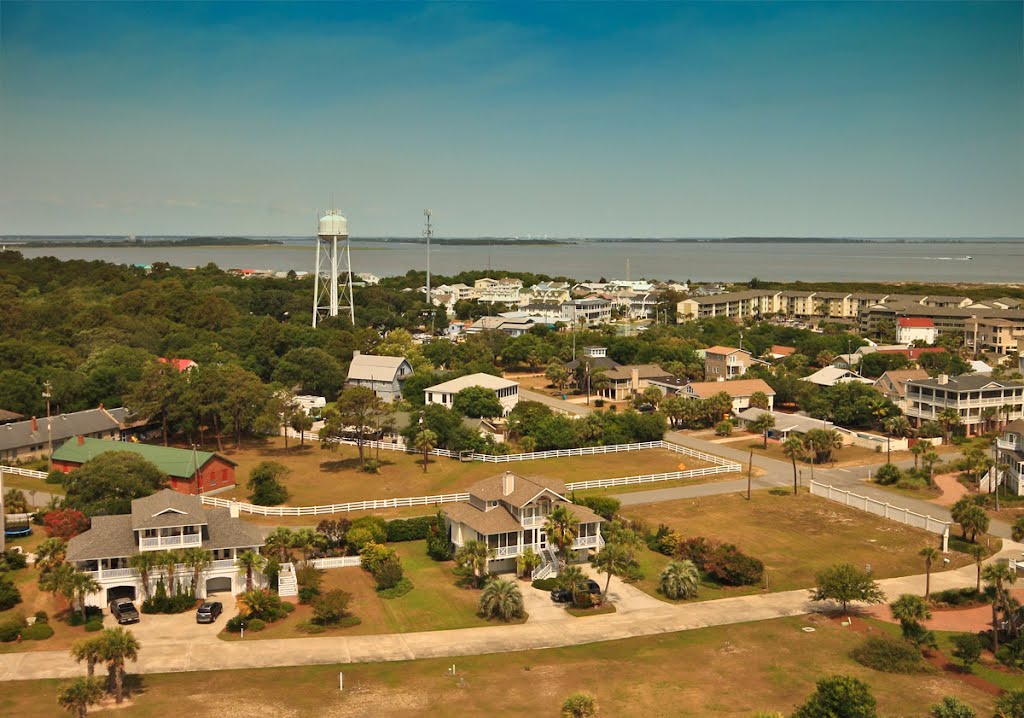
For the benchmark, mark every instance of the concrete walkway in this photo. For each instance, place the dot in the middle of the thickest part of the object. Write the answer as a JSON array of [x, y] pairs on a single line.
[[177, 655]]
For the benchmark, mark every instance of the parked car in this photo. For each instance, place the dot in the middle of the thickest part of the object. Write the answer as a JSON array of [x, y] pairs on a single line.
[[208, 612], [564, 595], [123, 610]]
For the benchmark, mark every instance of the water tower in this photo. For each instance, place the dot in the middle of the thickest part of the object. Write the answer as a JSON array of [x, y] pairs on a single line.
[[333, 229]]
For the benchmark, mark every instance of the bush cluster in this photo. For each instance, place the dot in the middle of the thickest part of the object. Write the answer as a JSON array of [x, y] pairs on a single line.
[[722, 562], [11, 628], [383, 564], [958, 597], [37, 632], [664, 540], [546, 584], [92, 613], [160, 602], [416, 529], [604, 506], [438, 546], [10, 596], [12, 561], [889, 655]]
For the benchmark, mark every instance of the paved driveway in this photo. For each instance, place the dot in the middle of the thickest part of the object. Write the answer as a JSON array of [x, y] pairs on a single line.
[[155, 628]]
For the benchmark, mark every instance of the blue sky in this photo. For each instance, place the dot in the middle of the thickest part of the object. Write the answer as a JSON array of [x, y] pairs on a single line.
[[568, 119]]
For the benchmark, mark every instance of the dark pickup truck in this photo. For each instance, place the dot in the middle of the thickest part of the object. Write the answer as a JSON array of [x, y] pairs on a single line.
[[124, 611]]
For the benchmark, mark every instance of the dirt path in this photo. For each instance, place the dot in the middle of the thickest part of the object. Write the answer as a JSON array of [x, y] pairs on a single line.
[[963, 620], [952, 490]]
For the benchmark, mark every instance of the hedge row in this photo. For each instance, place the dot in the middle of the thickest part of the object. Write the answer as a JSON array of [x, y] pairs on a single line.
[[416, 529]]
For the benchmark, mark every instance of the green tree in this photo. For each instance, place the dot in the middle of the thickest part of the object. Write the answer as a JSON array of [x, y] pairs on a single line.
[[839, 697], [967, 647], [793, 448], [1010, 705], [557, 374], [501, 599], [928, 461], [845, 583], [562, 528], [144, 562], [119, 646], [157, 395], [197, 560], [572, 579], [929, 555], [759, 400], [822, 443], [331, 607], [527, 562], [951, 707], [680, 579], [312, 369], [614, 559], [80, 585], [977, 552], [762, 425], [477, 401], [278, 542], [50, 554], [250, 562], [579, 705], [353, 415], [110, 482], [89, 650], [243, 401], [265, 483], [909, 607], [15, 502], [918, 450], [473, 556], [75, 696], [997, 576], [949, 418], [301, 422], [425, 442]]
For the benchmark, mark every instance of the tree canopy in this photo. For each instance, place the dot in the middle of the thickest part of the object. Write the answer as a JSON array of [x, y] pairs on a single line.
[[108, 483]]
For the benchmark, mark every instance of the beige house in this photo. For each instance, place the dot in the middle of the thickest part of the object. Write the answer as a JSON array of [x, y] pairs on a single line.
[[625, 382], [1011, 453], [508, 512], [893, 384], [725, 362], [1001, 336], [739, 390]]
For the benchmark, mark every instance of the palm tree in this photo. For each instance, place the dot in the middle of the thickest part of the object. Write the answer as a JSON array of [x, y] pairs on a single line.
[[78, 694], [929, 554], [89, 650], [255, 602], [898, 427], [119, 646], [988, 417], [997, 575], [474, 555], [572, 579], [15, 502], [977, 552], [910, 608], [949, 417], [59, 581], [527, 561], [1006, 410], [680, 579], [613, 559], [144, 563], [579, 705], [305, 540], [928, 461], [918, 450], [763, 424], [793, 448], [501, 599], [81, 585], [197, 559], [562, 528], [50, 554], [250, 562], [425, 442], [278, 542]]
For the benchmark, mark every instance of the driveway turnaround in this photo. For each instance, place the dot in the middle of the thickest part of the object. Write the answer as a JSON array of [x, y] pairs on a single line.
[[642, 618]]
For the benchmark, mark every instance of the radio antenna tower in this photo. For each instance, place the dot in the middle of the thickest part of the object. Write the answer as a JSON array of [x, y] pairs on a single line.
[[332, 229], [428, 232]]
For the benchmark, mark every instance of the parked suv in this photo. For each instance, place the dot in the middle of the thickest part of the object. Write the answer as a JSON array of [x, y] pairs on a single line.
[[124, 611], [208, 612], [564, 595]]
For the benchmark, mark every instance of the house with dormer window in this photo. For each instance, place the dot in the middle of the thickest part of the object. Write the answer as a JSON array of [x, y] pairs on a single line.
[[508, 512], [164, 521]]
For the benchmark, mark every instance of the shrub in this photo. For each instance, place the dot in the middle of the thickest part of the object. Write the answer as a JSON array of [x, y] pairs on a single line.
[[12, 561], [41, 617], [889, 655], [951, 708], [10, 596], [1010, 705], [377, 527], [727, 564], [388, 574], [74, 618], [37, 632], [397, 591], [438, 546], [605, 506], [331, 607], [372, 466], [723, 428], [256, 624], [967, 649], [664, 540], [696, 549], [958, 597], [287, 607], [888, 474], [94, 625], [416, 529], [545, 584], [307, 594], [309, 627], [234, 624], [11, 628], [65, 523], [579, 705], [373, 555]]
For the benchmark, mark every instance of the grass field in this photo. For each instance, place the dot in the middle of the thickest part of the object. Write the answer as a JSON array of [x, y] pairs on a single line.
[[795, 536], [322, 476], [722, 671], [434, 604]]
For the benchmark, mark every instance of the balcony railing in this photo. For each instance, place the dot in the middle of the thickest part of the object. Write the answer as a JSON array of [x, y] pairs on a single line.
[[533, 521], [1009, 445], [585, 542], [157, 542]]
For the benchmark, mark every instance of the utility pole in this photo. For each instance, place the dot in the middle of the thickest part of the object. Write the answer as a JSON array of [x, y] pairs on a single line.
[[428, 232], [750, 472]]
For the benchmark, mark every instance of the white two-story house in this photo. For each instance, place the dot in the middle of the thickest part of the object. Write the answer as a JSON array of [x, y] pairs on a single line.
[[1010, 450], [164, 521], [508, 512], [968, 395]]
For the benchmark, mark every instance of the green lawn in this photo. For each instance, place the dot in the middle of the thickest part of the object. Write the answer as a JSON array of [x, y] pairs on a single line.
[[729, 671], [795, 536]]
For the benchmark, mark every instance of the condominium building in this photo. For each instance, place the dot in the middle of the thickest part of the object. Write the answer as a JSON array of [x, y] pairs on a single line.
[[969, 395]]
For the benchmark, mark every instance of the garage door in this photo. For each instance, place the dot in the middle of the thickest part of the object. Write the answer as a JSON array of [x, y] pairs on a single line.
[[218, 585], [120, 592]]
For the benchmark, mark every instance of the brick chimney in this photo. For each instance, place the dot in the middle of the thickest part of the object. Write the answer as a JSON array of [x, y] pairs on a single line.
[[35, 427], [81, 440], [508, 483]]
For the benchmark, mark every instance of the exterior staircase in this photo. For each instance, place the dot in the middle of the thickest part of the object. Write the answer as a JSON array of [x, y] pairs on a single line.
[[547, 569], [287, 585]]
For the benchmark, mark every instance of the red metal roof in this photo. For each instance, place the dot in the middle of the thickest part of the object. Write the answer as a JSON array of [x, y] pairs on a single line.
[[915, 322]]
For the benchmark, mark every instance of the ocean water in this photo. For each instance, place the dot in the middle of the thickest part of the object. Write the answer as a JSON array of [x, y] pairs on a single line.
[[993, 261]]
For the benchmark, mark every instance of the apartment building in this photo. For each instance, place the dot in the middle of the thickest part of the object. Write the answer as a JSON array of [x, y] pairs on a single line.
[[968, 395], [994, 334], [591, 311], [499, 291]]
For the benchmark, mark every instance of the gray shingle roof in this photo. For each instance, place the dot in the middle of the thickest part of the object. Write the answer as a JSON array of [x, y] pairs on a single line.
[[965, 382], [167, 508], [62, 427], [371, 367], [109, 537]]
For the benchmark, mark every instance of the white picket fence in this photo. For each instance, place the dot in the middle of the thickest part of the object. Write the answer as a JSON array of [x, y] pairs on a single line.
[[653, 478], [885, 510], [336, 562], [371, 505], [18, 471]]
